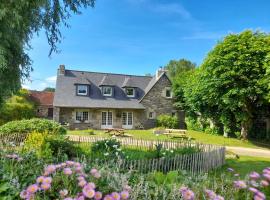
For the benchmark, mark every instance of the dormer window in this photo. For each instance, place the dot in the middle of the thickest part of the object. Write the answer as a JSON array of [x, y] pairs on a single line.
[[82, 90], [130, 92], [107, 91]]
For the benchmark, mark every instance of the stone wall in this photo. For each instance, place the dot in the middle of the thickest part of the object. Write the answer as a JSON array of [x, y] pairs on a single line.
[[156, 101], [42, 111]]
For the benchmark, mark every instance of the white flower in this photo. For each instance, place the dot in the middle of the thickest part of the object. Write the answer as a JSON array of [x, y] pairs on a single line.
[[106, 154]]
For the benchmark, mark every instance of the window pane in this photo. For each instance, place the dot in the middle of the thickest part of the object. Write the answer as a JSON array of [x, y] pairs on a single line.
[[130, 118], [104, 117], [130, 91], [124, 118], [168, 93], [82, 89], [107, 91], [109, 118]]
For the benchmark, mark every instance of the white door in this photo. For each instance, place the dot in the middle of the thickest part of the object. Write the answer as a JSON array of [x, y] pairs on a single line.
[[127, 120], [106, 119]]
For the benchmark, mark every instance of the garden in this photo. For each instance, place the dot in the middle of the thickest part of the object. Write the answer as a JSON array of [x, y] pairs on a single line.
[[38, 161]]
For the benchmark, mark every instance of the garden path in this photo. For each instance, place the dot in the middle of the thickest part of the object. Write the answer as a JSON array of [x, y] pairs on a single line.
[[243, 151]]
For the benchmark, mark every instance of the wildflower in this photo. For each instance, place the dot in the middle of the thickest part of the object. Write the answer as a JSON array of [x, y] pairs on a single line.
[[240, 184], [68, 198], [266, 170], [188, 195], [115, 196], [80, 198], [253, 190], [77, 164], [32, 188], [254, 183], [230, 170], [50, 169], [67, 171], [70, 163], [267, 176], [45, 186], [259, 196], [183, 189], [98, 196], [236, 175], [210, 194], [80, 178], [40, 179], [254, 175], [82, 183], [24, 194], [91, 185], [63, 193], [97, 175], [218, 197], [47, 180], [93, 171], [127, 188], [78, 169], [124, 195], [108, 197], [264, 183], [88, 192]]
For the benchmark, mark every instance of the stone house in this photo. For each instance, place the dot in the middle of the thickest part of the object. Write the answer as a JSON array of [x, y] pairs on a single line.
[[44, 103], [106, 100]]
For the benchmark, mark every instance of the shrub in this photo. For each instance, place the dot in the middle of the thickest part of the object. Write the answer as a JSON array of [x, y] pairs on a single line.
[[109, 148], [60, 146], [31, 125], [167, 121]]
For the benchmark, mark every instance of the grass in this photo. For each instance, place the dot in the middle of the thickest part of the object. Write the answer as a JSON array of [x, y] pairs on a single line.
[[194, 135]]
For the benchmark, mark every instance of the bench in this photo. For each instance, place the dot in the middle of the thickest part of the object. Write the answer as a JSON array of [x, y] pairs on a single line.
[[175, 133], [115, 131]]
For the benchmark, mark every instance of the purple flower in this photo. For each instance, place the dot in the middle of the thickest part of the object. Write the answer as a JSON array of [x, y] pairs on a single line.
[[108, 197], [210, 194], [67, 171], [188, 195], [63, 193], [253, 190], [230, 170], [254, 175], [264, 183], [124, 194], [88, 192], [266, 176], [50, 169], [240, 184], [32, 188], [98, 196], [24, 194], [45, 186], [115, 196], [259, 196], [218, 197]]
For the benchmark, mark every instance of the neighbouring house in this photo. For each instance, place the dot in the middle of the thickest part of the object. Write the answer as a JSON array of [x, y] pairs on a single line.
[[106, 100], [44, 103]]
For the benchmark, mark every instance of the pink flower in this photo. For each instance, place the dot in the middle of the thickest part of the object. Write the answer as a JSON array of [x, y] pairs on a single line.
[[240, 184], [91, 185], [98, 196], [45, 186], [218, 197], [80, 178], [253, 190], [127, 188], [24, 194], [115, 196], [183, 189], [70, 163], [50, 169], [254, 175], [264, 183], [93, 171], [78, 169], [80, 198], [82, 183], [108, 197], [97, 175], [63, 193], [188, 195], [266, 176], [68, 198], [124, 195], [77, 164], [40, 179], [259, 196], [47, 180], [32, 188], [67, 171], [88, 192], [210, 194]]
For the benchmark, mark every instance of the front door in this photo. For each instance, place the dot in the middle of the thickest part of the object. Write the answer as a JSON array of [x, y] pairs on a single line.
[[127, 120], [106, 119]]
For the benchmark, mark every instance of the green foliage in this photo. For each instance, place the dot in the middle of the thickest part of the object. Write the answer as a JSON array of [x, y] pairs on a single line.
[[177, 68], [167, 121], [31, 125], [17, 28], [109, 148], [49, 89], [17, 107], [62, 146]]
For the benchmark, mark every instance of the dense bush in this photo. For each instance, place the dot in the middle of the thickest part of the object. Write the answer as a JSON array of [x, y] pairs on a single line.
[[167, 121], [31, 125], [62, 146]]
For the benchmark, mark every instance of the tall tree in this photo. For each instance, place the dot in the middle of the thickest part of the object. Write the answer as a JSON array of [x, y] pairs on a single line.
[[19, 21], [232, 78], [176, 67], [49, 89]]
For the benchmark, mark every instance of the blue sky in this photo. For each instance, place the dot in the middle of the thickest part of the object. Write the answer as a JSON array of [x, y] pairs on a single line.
[[138, 36]]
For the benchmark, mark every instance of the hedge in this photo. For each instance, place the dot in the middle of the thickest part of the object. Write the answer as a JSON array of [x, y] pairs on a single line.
[[31, 125]]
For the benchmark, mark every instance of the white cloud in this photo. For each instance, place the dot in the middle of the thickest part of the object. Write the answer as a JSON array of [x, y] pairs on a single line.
[[51, 79]]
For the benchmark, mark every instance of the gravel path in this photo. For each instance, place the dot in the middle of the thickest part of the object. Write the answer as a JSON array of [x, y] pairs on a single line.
[[242, 151]]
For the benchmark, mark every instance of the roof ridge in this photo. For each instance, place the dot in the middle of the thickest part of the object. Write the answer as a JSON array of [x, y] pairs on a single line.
[[109, 73]]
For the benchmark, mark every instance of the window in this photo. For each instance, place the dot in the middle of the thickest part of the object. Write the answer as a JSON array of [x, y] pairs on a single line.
[[130, 92], [107, 91], [168, 93], [82, 116], [173, 114], [151, 115], [82, 90]]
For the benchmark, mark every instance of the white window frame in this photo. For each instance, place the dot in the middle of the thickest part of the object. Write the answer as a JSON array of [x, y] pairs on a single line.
[[82, 94], [153, 115], [106, 125], [106, 87], [81, 111], [133, 89], [171, 94], [126, 117]]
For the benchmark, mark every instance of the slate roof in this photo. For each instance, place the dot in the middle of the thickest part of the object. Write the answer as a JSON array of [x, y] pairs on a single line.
[[42, 98], [65, 95]]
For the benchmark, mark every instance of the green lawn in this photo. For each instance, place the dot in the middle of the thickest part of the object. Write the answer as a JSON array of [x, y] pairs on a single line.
[[194, 135]]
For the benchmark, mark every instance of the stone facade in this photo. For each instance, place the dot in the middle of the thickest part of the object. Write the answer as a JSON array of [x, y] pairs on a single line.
[[44, 111]]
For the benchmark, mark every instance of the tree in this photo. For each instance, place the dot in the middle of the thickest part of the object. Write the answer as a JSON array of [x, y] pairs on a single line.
[[232, 79], [17, 107], [19, 21], [49, 89], [177, 67]]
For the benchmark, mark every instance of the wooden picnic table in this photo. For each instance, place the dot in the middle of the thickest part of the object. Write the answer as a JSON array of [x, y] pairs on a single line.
[[115, 131]]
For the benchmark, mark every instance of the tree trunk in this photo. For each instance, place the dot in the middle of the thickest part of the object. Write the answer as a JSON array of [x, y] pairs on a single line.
[[245, 126]]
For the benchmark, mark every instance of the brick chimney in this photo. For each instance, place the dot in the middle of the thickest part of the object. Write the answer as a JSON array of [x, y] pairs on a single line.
[[61, 70], [160, 71]]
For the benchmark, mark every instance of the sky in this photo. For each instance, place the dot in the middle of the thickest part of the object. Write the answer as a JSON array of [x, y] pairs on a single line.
[[139, 36]]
